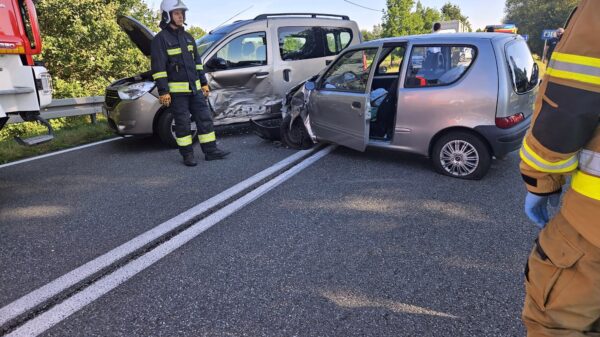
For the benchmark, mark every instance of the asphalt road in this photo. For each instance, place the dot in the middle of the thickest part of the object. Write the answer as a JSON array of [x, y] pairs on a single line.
[[359, 244]]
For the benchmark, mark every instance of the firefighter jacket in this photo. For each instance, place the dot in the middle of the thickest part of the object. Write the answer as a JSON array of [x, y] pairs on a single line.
[[176, 64], [564, 138]]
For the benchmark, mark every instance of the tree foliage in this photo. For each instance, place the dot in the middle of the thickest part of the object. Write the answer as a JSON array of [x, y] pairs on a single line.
[[84, 48], [533, 16], [405, 17], [452, 12], [374, 34]]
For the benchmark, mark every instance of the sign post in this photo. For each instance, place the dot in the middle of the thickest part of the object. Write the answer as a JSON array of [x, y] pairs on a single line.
[[547, 34]]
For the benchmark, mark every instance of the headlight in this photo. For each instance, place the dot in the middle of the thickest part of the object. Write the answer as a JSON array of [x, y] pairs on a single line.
[[135, 91]]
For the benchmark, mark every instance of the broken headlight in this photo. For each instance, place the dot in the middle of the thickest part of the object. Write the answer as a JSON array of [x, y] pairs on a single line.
[[135, 91]]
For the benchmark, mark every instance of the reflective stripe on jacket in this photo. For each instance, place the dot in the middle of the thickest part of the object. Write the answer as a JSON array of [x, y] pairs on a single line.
[[176, 64], [564, 138]]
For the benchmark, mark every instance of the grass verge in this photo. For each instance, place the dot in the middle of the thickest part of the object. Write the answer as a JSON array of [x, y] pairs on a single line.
[[64, 138]]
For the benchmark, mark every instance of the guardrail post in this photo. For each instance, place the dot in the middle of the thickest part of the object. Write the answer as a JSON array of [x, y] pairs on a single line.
[[93, 118]]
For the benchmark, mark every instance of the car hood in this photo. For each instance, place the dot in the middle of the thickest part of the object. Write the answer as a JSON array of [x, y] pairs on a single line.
[[139, 34]]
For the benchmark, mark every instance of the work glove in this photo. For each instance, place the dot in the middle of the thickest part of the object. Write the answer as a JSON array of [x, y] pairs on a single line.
[[165, 99], [536, 207], [205, 90]]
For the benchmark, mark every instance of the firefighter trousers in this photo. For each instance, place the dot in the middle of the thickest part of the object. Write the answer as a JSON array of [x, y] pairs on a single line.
[[184, 106], [562, 283]]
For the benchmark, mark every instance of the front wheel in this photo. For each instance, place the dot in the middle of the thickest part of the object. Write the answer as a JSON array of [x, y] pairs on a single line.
[[297, 136], [461, 155], [165, 128]]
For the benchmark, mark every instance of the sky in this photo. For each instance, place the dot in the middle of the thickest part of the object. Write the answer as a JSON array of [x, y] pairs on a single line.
[[210, 14]]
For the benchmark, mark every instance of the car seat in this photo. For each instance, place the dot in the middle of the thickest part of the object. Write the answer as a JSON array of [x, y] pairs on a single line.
[[261, 53], [386, 114]]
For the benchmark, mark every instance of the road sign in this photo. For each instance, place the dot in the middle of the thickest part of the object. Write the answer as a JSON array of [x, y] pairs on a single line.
[[547, 34]]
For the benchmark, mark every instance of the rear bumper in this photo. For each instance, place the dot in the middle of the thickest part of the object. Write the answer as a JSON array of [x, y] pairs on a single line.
[[504, 141]]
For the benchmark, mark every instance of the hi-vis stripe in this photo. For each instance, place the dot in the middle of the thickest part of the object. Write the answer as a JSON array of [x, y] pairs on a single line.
[[535, 161], [162, 74], [589, 161], [184, 141], [190, 48], [179, 87], [586, 184], [174, 51], [575, 67], [199, 67], [207, 138]]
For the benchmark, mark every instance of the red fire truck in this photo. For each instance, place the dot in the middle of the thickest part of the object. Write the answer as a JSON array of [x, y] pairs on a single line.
[[25, 85]]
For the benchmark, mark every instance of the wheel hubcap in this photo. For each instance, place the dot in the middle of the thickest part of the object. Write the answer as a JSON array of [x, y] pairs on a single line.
[[459, 158]]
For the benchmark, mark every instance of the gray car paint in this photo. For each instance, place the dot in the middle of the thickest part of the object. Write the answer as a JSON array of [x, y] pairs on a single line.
[[483, 93]]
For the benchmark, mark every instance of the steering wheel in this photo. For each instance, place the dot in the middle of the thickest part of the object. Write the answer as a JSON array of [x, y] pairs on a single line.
[[349, 76]]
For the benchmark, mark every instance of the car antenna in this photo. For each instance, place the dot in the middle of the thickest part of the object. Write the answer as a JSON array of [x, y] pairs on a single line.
[[233, 17]]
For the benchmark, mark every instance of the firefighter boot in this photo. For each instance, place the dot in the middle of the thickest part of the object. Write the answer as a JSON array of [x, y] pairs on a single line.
[[189, 160], [211, 152]]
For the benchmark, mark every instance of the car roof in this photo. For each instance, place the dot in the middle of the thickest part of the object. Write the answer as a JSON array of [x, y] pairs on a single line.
[[280, 17], [424, 38]]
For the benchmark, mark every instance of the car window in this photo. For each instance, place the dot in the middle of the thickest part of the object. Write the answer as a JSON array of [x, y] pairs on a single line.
[[298, 43], [245, 51], [523, 69], [206, 41], [336, 40], [350, 72], [437, 65], [392, 61]]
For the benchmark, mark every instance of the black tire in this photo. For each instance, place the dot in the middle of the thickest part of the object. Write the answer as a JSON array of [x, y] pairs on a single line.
[[461, 155], [164, 129], [297, 137]]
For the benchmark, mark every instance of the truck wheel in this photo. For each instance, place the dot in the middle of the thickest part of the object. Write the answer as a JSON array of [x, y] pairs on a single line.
[[461, 155], [297, 137], [165, 128]]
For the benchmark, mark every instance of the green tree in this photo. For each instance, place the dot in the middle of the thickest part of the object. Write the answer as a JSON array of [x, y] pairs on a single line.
[[85, 49], [196, 32], [429, 16], [374, 34], [453, 12], [398, 20], [533, 16]]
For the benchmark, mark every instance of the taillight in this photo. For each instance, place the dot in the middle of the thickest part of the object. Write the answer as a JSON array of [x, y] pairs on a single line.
[[509, 122]]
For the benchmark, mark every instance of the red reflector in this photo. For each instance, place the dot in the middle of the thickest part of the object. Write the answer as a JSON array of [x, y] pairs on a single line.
[[509, 122]]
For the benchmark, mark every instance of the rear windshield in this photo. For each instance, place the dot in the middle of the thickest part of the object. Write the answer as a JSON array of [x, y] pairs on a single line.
[[206, 41], [523, 69]]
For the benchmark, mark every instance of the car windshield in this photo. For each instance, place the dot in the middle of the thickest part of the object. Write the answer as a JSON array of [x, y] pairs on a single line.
[[206, 41]]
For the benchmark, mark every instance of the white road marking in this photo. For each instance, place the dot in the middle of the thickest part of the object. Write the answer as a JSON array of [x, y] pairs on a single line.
[[59, 152], [73, 304], [55, 287]]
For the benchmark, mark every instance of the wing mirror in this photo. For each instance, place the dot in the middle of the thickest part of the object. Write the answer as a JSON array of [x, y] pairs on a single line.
[[217, 63]]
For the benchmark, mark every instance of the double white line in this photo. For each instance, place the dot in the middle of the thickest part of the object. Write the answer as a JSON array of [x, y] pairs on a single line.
[[64, 309]]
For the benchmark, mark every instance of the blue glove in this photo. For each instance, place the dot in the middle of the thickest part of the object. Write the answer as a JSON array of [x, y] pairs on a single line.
[[536, 207]]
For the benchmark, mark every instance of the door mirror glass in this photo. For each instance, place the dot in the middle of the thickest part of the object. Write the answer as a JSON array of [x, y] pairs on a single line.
[[309, 85], [217, 63]]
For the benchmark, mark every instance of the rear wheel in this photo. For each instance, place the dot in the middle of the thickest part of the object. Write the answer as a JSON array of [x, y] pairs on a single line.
[[297, 136], [165, 128], [461, 155]]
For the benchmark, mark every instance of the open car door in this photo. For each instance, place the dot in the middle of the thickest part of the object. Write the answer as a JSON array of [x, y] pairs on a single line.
[[339, 107]]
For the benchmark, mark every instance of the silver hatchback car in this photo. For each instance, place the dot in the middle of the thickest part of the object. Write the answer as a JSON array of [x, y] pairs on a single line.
[[249, 64], [460, 99]]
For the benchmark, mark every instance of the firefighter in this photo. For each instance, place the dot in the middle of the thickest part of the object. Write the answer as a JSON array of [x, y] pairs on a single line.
[[182, 86], [562, 276]]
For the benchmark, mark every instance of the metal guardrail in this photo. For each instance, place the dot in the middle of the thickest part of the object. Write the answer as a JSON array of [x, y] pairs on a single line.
[[69, 107]]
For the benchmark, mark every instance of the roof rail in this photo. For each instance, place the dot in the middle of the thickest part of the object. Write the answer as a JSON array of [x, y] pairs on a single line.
[[313, 15]]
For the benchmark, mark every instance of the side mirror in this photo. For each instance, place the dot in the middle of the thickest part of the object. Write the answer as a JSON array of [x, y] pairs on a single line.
[[310, 85], [217, 63]]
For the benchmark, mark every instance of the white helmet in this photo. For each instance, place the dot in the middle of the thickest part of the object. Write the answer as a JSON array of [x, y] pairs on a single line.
[[167, 6]]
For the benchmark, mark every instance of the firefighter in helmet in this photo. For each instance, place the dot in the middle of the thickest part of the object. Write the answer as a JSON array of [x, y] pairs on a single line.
[[563, 270], [182, 85]]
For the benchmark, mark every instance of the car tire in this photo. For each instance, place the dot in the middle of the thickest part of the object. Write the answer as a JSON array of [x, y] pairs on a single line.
[[165, 130], [461, 155], [297, 137]]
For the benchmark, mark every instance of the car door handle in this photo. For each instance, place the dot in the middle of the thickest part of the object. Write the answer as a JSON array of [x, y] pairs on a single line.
[[286, 74], [262, 74], [356, 105]]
